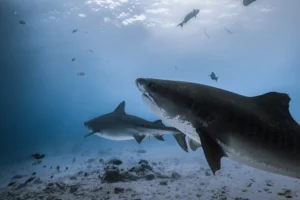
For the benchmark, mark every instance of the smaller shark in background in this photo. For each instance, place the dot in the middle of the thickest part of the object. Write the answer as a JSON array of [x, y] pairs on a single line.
[[248, 2], [213, 76], [189, 16], [118, 125]]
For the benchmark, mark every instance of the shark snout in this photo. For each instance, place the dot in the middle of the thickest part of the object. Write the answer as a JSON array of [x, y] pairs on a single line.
[[142, 84]]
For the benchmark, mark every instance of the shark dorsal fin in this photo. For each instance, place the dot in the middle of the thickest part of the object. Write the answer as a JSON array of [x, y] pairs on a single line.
[[121, 108], [275, 104], [158, 122]]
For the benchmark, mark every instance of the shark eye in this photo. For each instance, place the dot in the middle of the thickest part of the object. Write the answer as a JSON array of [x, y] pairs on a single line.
[[150, 85]]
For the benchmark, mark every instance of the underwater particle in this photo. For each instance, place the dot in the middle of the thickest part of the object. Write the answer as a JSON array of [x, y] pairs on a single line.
[[74, 160], [11, 183], [80, 73], [22, 22], [34, 173], [74, 30], [44, 166], [67, 168], [51, 176], [213, 76], [38, 156], [14, 12], [175, 67], [58, 168], [73, 59]]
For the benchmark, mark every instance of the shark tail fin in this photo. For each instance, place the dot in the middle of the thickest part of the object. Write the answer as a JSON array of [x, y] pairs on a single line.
[[159, 137], [181, 24], [180, 138]]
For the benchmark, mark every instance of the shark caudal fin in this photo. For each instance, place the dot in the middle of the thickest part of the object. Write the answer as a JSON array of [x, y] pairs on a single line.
[[181, 24]]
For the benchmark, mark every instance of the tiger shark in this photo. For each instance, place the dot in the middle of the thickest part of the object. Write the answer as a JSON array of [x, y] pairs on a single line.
[[257, 131], [118, 125]]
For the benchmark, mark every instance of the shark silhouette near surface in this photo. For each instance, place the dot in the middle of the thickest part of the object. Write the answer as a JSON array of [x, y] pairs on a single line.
[[118, 125], [256, 131]]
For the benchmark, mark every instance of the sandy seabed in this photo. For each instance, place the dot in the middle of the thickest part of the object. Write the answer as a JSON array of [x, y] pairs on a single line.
[[174, 174]]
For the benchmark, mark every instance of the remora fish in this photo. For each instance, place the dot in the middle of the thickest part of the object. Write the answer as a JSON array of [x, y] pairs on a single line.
[[189, 16], [257, 131], [118, 125]]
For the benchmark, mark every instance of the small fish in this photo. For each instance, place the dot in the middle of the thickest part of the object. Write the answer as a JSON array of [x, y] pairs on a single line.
[[73, 59], [29, 180], [44, 166], [75, 30], [206, 33], [228, 31], [213, 76], [74, 160], [101, 160], [11, 183], [90, 50], [51, 176], [38, 156], [189, 16], [80, 73], [22, 22], [57, 168], [34, 173], [67, 168]]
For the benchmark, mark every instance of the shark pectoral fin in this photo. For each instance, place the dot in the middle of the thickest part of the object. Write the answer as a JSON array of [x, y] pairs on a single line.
[[212, 151], [194, 145], [159, 137], [89, 134], [180, 138], [138, 138]]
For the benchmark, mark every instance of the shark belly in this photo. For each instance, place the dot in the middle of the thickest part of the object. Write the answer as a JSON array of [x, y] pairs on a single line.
[[118, 136], [261, 157]]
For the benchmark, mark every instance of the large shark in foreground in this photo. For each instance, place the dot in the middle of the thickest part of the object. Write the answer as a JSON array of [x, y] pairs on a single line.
[[119, 125], [257, 131]]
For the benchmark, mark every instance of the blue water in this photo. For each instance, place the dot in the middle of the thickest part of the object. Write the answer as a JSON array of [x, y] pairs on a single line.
[[44, 101]]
